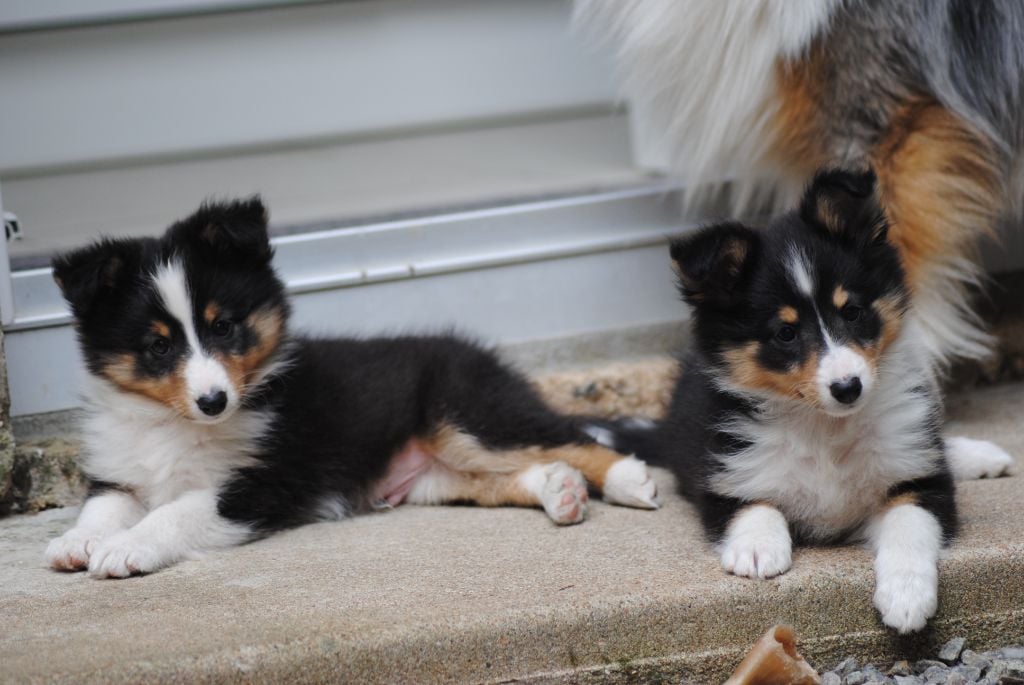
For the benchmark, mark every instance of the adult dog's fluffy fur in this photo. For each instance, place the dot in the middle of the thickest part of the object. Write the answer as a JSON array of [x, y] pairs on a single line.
[[764, 92]]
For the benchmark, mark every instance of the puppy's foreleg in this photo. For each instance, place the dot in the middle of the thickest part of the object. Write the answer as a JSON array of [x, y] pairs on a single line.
[[756, 543], [906, 540], [170, 533], [102, 515]]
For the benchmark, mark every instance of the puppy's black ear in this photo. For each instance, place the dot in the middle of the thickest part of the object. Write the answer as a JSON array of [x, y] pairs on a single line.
[[229, 230], [92, 273], [845, 205], [713, 263]]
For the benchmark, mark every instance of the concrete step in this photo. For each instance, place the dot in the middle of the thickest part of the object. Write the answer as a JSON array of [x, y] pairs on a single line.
[[461, 594]]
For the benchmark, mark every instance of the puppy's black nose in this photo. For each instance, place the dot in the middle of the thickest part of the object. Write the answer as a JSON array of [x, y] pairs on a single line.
[[846, 391], [213, 403]]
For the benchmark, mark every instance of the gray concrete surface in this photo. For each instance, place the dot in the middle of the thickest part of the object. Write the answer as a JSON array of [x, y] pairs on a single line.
[[458, 594]]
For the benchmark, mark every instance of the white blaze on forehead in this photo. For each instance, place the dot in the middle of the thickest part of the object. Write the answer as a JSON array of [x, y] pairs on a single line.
[[170, 283], [203, 373], [800, 273]]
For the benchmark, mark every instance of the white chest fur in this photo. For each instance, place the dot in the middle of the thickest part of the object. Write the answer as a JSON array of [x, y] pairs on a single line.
[[826, 474], [142, 445]]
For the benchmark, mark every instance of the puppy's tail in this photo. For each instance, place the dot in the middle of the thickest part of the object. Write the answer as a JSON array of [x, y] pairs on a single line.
[[631, 435]]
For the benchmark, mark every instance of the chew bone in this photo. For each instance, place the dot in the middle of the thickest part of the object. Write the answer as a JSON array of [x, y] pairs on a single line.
[[773, 660]]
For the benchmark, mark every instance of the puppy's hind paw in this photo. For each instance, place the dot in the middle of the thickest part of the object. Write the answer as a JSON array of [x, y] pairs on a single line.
[[971, 459], [628, 483], [560, 489]]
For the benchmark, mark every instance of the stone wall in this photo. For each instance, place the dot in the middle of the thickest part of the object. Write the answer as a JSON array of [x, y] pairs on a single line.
[[6, 438]]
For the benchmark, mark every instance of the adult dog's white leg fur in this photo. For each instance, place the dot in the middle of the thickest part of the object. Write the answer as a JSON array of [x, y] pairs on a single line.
[[906, 540], [970, 459], [178, 530], [102, 515]]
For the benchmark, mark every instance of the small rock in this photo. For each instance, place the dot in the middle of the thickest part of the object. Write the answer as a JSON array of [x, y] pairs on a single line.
[[846, 666], [873, 674], [955, 678], [970, 673], [908, 680], [971, 658], [1015, 667], [996, 671], [950, 651], [855, 678], [901, 668], [924, 664], [935, 675], [1012, 652], [831, 678]]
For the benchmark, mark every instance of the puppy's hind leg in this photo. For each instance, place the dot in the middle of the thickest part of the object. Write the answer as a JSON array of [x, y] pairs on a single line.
[[621, 480], [556, 487]]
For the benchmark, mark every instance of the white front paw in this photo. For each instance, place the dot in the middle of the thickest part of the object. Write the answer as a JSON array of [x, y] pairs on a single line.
[[753, 558], [971, 459], [122, 555], [757, 543], [628, 483], [907, 599], [71, 551]]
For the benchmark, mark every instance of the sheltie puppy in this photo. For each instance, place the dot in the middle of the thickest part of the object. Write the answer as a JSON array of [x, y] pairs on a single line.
[[208, 424], [762, 93], [809, 408]]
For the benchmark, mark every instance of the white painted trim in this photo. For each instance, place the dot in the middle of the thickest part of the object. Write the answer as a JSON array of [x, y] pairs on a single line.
[[6, 286], [430, 245], [33, 15]]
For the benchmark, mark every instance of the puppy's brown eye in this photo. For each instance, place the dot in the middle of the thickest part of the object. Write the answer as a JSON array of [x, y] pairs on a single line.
[[223, 327], [850, 312], [786, 334], [160, 347]]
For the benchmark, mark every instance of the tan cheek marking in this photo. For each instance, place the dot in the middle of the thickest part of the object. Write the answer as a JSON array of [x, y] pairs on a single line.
[[747, 372], [840, 297], [268, 325], [161, 329], [890, 311], [168, 390], [789, 315], [211, 312]]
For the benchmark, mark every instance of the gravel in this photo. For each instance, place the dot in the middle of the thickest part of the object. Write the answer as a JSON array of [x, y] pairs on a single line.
[[956, 665]]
